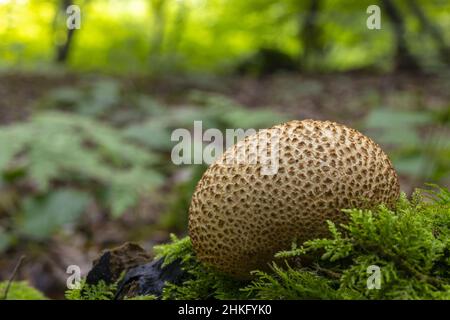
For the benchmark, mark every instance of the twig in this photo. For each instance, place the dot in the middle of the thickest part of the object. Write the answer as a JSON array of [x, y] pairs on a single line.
[[11, 278], [328, 272]]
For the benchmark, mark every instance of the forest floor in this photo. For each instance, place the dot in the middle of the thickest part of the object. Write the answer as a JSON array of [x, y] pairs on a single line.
[[340, 97], [344, 98]]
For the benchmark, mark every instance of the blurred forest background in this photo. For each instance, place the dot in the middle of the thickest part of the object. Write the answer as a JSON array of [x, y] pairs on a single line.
[[86, 115]]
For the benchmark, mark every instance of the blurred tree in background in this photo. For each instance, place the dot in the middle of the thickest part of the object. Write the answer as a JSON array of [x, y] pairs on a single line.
[[215, 35]]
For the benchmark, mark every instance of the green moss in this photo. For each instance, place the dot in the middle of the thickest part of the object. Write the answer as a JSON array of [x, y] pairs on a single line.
[[149, 297], [20, 290], [203, 282], [100, 291], [410, 245]]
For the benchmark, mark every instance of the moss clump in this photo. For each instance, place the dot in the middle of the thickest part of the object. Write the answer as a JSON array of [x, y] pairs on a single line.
[[99, 291], [20, 290], [202, 282], [410, 245]]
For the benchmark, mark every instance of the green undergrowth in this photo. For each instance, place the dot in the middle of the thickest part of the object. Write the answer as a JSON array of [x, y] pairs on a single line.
[[407, 247], [100, 291], [19, 290]]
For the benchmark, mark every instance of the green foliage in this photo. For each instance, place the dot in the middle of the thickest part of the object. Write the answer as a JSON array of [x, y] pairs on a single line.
[[5, 240], [43, 216], [224, 112], [149, 297], [410, 245], [195, 35], [77, 156], [100, 291], [148, 122], [176, 215], [98, 98], [202, 283], [291, 284], [178, 249], [59, 146], [214, 110], [419, 141], [438, 195], [20, 290]]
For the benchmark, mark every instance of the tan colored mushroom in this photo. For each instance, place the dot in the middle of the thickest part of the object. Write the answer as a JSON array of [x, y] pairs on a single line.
[[239, 218]]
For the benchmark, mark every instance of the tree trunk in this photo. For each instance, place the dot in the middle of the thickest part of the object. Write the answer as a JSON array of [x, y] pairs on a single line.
[[158, 12], [63, 50], [310, 33], [179, 26], [404, 60], [432, 29]]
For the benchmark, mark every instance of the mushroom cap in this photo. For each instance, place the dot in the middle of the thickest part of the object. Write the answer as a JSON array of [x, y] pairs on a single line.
[[239, 217]]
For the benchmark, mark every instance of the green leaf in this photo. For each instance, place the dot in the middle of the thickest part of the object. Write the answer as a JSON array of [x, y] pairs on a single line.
[[125, 193], [42, 217], [5, 240], [20, 290], [8, 150], [387, 119], [150, 106], [121, 200], [65, 96], [416, 166], [152, 134], [56, 146], [403, 137], [103, 96]]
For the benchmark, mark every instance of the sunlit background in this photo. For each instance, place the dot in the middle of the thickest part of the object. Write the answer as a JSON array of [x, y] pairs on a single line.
[[123, 36]]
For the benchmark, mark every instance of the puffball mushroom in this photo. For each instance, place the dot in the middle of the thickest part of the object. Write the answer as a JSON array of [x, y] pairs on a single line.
[[239, 217]]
